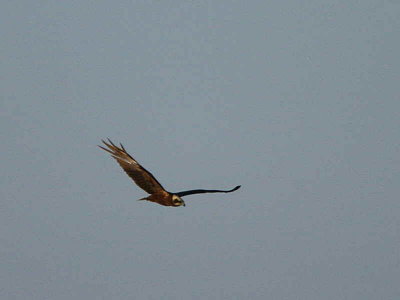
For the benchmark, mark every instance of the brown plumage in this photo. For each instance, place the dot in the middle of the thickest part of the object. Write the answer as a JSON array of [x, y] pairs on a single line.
[[145, 180]]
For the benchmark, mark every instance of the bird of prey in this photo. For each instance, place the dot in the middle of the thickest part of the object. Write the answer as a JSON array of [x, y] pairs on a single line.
[[145, 180]]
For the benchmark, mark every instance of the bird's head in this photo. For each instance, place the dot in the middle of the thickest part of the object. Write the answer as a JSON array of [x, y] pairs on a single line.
[[177, 201]]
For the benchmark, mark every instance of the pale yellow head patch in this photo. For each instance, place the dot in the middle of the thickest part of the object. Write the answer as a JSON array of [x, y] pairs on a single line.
[[177, 201]]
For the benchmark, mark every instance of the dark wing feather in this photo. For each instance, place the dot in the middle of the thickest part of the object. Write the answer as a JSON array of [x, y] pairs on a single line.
[[191, 192], [143, 178]]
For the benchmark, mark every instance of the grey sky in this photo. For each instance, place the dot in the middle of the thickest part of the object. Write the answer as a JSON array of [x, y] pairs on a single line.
[[297, 101]]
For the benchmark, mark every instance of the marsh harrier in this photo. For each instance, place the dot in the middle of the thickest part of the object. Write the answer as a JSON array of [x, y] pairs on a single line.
[[145, 180]]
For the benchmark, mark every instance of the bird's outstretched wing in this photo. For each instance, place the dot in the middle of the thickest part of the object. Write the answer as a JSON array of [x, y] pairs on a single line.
[[185, 193], [143, 178]]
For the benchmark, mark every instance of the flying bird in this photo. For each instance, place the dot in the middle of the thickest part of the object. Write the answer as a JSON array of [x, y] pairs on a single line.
[[145, 180]]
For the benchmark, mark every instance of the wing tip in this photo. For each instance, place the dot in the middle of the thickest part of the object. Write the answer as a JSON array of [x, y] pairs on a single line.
[[236, 188], [105, 149]]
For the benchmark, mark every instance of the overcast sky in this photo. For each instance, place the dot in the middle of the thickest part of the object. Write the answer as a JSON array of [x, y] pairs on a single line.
[[297, 101]]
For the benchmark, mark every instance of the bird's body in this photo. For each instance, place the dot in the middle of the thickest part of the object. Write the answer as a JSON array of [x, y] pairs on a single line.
[[145, 180], [163, 198]]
